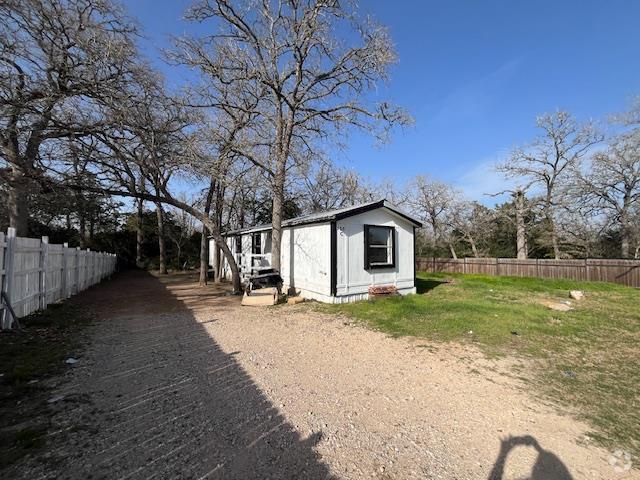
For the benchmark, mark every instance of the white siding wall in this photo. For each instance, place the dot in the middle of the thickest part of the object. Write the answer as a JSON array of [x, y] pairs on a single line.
[[310, 272], [245, 258], [353, 279]]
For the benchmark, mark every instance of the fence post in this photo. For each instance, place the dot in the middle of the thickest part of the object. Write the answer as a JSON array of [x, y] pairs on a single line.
[[2, 272], [497, 266], [77, 271], [44, 244], [9, 254], [89, 269], [63, 272], [537, 268], [586, 268]]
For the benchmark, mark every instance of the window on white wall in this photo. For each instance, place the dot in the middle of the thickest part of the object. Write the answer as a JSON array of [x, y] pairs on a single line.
[[379, 246], [256, 243]]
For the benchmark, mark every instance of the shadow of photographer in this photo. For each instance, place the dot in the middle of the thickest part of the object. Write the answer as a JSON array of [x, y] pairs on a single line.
[[546, 467]]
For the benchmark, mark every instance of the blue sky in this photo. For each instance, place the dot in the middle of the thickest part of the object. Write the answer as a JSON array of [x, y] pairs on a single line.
[[474, 74]]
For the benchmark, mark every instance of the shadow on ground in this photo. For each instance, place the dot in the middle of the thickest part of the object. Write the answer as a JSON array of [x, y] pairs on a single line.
[[424, 285], [164, 400], [547, 465]]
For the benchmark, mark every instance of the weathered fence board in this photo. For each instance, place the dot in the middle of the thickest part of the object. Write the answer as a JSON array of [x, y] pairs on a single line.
[[34, 273], [625, 272]]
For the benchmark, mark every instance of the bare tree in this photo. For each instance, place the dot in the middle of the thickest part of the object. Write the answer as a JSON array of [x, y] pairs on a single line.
[[60, 61], [611, 186], [327, 187], [547, 163], [431, 200], [472, 222], [295, 58]]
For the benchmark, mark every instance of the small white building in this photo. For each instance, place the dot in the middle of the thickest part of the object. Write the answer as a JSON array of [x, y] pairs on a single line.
[[334, 256]]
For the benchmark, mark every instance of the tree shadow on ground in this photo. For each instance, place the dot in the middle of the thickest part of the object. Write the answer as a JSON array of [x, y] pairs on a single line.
[[546, 467], [165, 401], [424, 285]]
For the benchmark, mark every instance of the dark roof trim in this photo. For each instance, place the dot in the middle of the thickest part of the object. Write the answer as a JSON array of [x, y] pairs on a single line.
[[379, 204], [329, 216]]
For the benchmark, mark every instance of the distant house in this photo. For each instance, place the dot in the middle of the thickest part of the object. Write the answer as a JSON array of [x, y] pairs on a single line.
[[335, 256]]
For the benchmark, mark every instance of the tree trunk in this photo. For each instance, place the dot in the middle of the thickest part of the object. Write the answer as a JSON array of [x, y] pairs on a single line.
[[92, 230], [276, 216], [204, 257], [625, 230], [434, 227], [83, 230], [625, 243], [204, 241], [161, 240], [139, 233], [554, 241], [474, 249], [551, 224], [522, 249], [453, 251], [235, 272], [217, 264], [18, 203], [218, 259]]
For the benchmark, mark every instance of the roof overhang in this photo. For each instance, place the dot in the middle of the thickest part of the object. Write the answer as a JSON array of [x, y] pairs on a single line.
[[329, 217]]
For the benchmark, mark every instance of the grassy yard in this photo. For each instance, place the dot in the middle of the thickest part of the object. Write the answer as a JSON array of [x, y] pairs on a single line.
[[586, 359]]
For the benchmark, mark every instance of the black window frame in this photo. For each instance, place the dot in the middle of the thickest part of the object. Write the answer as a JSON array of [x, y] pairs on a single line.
[[367, 263], [238, 244], [256, 247]]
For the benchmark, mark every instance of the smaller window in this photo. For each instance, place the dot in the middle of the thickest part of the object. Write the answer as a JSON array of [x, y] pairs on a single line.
[[239, 244], [379, 246], [256, 243]]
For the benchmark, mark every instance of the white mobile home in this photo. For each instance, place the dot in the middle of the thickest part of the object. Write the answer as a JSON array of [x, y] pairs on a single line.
[[335, 256]]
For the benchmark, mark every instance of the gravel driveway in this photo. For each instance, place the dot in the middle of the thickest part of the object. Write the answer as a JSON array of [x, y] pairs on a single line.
[[179, 381]]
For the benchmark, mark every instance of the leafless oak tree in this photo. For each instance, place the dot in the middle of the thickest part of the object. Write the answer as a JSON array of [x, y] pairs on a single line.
[[60, 62], [547, 162], [611, 186], [472, 221], [432, 201], [296, 58]]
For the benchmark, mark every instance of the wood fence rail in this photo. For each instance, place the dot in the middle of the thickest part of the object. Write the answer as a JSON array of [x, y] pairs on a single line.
[[34, 273], [624, 272]]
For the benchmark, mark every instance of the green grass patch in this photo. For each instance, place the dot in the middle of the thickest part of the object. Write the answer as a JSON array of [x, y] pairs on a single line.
[[587, 359], [27, 358]]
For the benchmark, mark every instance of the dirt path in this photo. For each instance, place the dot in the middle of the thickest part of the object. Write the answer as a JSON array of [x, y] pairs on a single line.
[[182, 382]]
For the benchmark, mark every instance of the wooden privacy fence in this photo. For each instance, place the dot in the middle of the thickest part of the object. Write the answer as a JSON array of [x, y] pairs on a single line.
[[34, 273], [625, 272]]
